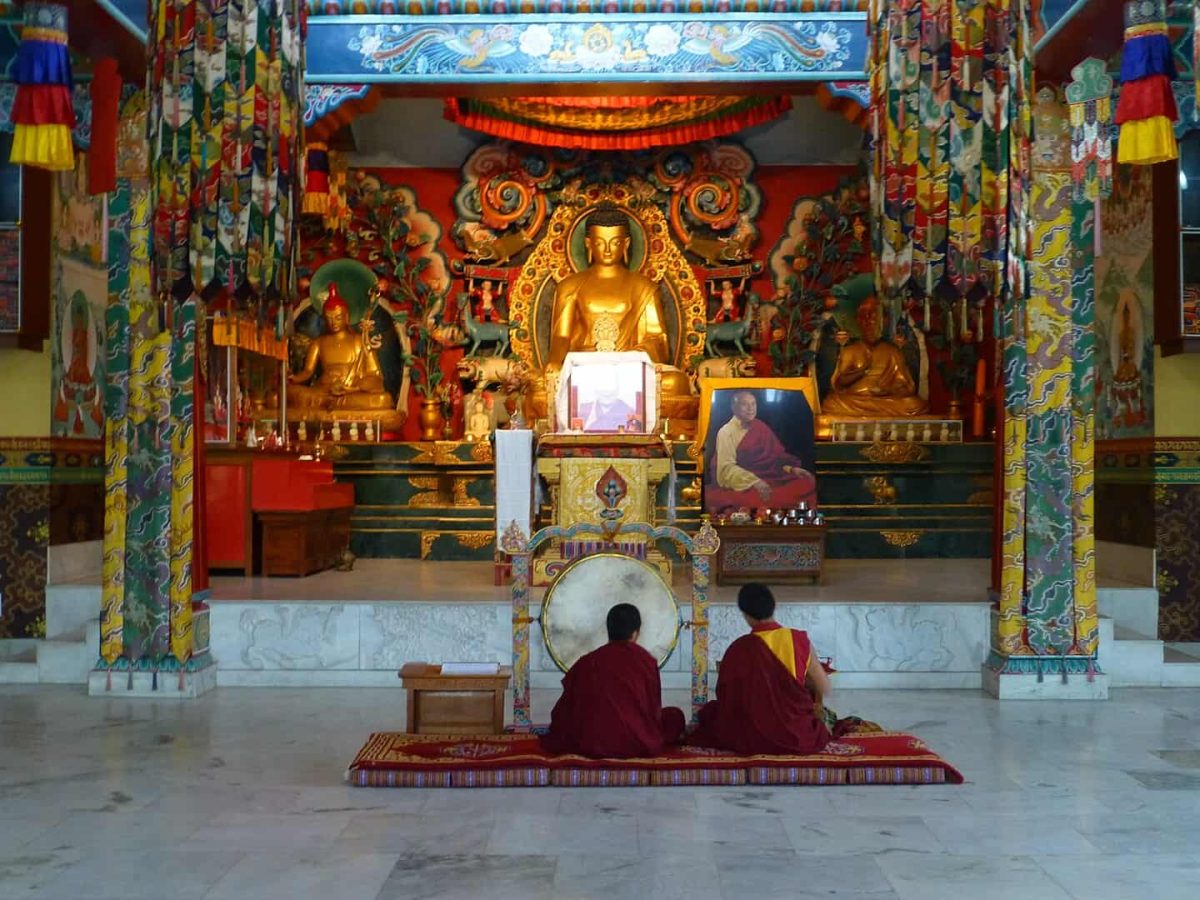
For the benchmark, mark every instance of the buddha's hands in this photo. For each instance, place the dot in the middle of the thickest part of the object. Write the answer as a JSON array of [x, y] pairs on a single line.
[[763, 489]]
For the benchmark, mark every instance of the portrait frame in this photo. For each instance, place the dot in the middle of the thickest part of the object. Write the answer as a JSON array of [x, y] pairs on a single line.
[[628, 378], [800, 441]]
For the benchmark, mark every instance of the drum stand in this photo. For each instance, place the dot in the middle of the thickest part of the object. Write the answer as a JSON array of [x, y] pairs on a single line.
[[701, 548]]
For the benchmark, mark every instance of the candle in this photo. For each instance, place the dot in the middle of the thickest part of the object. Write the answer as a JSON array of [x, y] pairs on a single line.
[[980, 390]]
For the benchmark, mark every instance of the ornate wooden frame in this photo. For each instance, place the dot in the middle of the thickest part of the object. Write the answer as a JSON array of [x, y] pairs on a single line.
[[551, 258]]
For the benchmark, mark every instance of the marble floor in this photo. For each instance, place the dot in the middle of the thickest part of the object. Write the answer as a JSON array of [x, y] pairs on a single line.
[[239, 794]]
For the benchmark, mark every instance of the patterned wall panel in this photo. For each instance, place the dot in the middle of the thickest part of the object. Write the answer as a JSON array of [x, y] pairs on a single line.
[[50, 493]]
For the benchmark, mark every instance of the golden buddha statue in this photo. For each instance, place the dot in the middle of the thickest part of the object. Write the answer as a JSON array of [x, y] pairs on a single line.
[[608, 307], [872, 377], [350, 387]]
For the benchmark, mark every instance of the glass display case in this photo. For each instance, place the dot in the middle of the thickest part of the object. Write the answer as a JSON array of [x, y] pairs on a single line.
[[245, 402]]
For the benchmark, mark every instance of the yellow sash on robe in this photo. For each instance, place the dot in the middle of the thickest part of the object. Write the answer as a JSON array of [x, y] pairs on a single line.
[[783, 646]]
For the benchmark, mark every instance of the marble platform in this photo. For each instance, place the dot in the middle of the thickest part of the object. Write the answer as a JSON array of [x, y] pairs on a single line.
[[922, 624]]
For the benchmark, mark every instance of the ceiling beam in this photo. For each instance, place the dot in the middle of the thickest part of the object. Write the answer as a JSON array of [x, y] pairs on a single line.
[[1091, 28], [95, 34]]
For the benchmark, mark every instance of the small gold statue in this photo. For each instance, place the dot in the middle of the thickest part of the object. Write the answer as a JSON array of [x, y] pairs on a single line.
[[608, 307], [351, 383], [872, 377]]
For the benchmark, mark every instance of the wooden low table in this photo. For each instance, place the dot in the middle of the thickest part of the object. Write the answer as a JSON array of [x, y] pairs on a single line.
[[776, 554], [453, 704]]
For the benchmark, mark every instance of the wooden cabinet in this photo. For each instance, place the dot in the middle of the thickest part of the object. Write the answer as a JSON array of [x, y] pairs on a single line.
[[773, 554]]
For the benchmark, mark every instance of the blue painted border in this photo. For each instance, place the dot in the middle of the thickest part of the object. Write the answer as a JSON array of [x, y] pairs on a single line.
[[545, 49]]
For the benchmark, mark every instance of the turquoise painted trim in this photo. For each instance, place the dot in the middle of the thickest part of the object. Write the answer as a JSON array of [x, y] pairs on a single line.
[[1061, 23], [165, 664], [123, 20], [652, 48], [1046, 666]]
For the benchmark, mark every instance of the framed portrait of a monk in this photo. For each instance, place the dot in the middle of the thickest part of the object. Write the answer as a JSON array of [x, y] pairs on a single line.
[[758, 446]]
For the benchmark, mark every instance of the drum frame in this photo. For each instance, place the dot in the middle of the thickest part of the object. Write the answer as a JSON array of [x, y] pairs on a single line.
[[520, 550], [549, 595]]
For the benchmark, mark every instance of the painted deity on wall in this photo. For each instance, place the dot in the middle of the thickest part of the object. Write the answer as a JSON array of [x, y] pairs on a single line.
[[1124, 309], [80, 286]]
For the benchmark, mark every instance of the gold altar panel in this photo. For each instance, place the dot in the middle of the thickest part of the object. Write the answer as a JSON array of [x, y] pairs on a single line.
[[577, 500]]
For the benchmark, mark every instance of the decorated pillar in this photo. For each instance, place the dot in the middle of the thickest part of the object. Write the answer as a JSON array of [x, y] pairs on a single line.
[[206, 213], [1046, 635], [957, 187]]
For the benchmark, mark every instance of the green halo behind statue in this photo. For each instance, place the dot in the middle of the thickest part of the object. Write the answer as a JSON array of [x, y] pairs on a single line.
[[354, 282]]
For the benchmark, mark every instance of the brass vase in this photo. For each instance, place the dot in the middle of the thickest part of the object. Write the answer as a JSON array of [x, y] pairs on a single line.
[[430, 418], [956, 409]]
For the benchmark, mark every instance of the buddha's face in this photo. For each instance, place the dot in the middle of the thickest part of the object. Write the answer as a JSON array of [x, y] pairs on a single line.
[[607, 245], [335, 319], [745, 407], [870, 320]]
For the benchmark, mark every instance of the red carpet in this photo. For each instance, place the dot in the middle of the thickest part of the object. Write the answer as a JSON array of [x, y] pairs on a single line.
[[393, 759]]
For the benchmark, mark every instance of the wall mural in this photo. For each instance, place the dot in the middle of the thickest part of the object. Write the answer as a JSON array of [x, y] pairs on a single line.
[[80, 286], [482, 48], [1125, 310]]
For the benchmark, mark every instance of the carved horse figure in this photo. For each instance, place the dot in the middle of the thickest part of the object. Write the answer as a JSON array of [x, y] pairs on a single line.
[[731, 332], [485, 333]]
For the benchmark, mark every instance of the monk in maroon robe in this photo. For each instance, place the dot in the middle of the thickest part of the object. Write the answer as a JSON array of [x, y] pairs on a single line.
[[750, 467], [611, 705], [770, 688]]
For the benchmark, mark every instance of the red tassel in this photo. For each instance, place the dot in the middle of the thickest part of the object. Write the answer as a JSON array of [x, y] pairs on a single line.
[[102, 155]]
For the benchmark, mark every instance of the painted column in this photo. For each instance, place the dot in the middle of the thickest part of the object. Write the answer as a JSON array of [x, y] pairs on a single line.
[[206, 210], [1046, 635]]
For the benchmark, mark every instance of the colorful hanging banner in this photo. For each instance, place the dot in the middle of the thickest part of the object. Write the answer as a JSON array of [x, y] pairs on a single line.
[[43, 114], [1090, 98], [950, 127], [1147, 111], [226, 134]]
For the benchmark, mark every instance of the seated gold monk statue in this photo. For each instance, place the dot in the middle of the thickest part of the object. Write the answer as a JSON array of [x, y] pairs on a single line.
[[350, 386], [608, 307], [872, 376]]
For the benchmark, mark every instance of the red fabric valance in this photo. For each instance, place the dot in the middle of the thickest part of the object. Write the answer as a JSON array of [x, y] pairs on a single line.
[[613, 123]]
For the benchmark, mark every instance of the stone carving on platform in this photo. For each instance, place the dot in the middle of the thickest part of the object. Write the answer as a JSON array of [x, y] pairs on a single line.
[[393, 634], [906, 637], [316, 636]]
